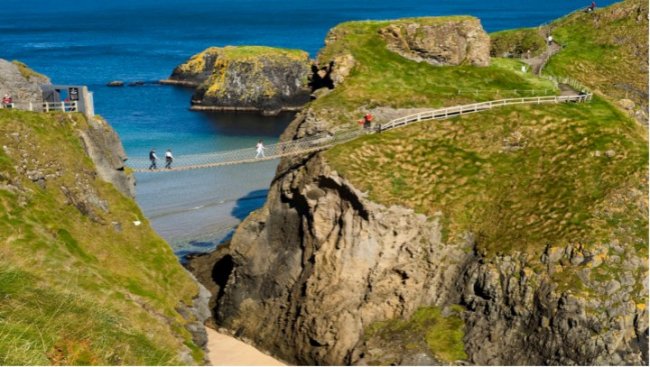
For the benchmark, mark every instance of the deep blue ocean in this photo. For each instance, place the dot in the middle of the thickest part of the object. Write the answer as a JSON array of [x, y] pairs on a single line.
[[93, 42]]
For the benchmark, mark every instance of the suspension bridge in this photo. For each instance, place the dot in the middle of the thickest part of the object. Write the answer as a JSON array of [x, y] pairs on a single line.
[[326, 140]]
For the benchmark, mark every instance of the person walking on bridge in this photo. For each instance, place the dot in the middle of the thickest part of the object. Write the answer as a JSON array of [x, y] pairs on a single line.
[[169, 158], [260, 149], [153, 158]]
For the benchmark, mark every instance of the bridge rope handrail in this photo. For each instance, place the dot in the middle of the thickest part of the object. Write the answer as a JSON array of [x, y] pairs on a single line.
[[325, 140]]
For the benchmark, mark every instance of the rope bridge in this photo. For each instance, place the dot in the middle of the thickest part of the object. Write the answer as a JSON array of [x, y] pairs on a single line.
[[325, 140]]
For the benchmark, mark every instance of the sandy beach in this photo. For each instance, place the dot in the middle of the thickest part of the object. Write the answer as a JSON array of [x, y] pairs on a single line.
[[225, 350]]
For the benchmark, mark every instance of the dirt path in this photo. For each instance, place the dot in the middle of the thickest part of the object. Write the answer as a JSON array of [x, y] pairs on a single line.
[[225, 350], [536, 63]]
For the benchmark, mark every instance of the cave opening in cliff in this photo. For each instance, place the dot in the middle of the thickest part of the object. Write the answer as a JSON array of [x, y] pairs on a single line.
[[321, 77], [221, 272]]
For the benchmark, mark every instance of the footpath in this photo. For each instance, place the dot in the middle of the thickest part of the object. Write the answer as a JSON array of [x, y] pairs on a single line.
[[225, 350]]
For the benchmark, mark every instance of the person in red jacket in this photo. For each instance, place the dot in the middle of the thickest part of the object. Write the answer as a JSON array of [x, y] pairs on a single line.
[[7, 100], [367, 121]]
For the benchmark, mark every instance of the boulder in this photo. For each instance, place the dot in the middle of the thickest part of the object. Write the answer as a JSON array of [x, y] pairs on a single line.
[[115, 83], [440, 41]]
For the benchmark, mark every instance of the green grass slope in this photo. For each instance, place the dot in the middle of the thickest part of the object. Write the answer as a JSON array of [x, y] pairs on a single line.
[[519, 177], [80, 283], [606, 50], [384, 78]]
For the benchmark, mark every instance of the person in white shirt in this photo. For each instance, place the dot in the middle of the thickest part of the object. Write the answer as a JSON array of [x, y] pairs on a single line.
[[260, 150], [169, 158]]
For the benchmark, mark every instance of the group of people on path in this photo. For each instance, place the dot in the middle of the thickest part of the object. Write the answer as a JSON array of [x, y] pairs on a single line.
[[169, 158]]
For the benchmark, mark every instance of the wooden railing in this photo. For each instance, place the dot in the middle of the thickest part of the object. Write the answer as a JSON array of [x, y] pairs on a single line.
[[573, 83], [42, 106], [477, 107]]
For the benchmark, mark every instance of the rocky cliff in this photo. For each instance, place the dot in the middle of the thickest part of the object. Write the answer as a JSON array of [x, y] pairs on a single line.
[[20, 82], [104, 147], [247, 78], [83, 277], [440, 41]]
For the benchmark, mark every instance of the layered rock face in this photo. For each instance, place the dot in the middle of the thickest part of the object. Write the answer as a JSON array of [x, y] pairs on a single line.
[[20, 82], [247, 78], [319, 264], [516, 315], [442, 42], [311, 272]]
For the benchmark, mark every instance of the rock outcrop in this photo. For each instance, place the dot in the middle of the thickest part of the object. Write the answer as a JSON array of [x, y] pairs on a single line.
[[440, 41], [305, 275], [104, 147], [20, 82], [246, 78]]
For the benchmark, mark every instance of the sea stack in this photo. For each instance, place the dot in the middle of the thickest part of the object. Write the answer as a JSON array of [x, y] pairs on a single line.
[[246, 78]]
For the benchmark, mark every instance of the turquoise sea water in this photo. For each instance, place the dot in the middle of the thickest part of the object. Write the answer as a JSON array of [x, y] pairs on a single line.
[[93, 42]]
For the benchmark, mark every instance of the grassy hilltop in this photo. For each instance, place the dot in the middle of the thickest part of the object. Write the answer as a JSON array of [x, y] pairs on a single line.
[[520, 178], [80, 283], [384, 78]]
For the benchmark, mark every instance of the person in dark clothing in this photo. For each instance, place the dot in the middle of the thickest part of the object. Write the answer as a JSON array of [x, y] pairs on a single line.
[[153, 158], [169, 158]]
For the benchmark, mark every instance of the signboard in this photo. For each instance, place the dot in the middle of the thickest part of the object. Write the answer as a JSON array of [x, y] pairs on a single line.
[[73, 93]]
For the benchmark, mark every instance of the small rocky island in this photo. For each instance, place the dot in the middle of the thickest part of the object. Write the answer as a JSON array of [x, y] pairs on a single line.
[[246, 78]]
